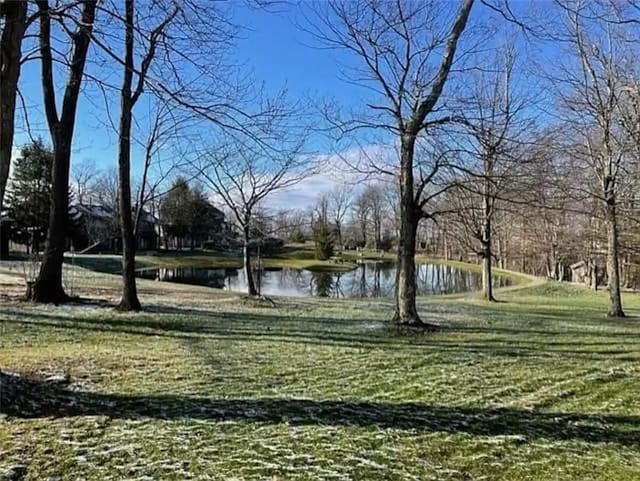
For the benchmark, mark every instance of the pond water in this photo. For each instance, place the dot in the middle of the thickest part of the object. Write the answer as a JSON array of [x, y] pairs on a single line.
[[367, 280]]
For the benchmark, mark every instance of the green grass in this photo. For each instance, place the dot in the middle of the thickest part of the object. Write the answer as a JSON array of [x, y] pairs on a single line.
[[204, 385]]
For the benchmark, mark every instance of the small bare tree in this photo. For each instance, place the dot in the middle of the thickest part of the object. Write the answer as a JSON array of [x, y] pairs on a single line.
[[339, 204], [245, 170]]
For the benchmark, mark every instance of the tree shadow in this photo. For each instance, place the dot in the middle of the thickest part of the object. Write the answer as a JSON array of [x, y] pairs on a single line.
[[263, 327], [30, 398]]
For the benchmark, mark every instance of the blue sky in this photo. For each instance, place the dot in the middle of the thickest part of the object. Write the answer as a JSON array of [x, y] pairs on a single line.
[[271, 45]]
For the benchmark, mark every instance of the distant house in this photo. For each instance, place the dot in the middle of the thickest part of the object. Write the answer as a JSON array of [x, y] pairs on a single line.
[[96, 229]]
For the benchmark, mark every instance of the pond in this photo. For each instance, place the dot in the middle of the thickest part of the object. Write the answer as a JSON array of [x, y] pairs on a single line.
[[366, 280]]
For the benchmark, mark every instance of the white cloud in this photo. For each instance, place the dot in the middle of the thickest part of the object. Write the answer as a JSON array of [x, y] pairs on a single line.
[[347, 168]]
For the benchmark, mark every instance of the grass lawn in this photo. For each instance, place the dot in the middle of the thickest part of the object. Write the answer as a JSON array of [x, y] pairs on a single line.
[[205, 385]]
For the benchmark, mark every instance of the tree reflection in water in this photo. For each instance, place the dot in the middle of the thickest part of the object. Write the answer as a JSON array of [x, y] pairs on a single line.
[[367, 280]]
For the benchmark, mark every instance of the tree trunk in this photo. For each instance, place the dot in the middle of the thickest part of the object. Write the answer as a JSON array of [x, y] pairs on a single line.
[[487, 277], [406, 312], [251, 287], [487, 285], [15, 21], [48, 285], [613, 267], [129, 301]]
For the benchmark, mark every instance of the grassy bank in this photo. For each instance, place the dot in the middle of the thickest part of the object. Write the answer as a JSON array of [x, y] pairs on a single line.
[[206, 386], [296, 257]]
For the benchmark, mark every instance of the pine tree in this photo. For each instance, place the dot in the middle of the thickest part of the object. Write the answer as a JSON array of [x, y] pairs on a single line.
[[176, 211], [29, 195]]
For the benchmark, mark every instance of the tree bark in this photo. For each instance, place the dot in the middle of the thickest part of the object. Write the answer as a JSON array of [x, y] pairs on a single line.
[[251, 286], [129, 301], [48, 286], [406, 312], [613, 265], [15, 22]]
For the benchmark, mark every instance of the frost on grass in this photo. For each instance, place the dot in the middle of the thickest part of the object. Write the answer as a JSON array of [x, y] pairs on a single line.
[[206, 388]]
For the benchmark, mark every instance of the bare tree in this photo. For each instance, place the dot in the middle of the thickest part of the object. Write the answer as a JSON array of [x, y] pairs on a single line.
[[339, 204], [129, 95], [244, 171], [83, 176], [590, 90], [48, 286], [396, 44], [495, 125], [362, 216]]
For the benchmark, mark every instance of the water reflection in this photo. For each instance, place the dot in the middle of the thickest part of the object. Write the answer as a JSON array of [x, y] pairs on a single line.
[[367, 280]]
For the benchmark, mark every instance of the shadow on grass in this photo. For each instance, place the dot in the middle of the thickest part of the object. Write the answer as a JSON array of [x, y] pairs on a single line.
[[28, 398], [262, 327]]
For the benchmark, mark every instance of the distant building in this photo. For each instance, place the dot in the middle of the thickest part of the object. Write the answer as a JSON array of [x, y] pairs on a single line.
[[96, 229]]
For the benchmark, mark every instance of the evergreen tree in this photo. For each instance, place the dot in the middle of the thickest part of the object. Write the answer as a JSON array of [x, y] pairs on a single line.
[[176, 211], [323, 238], [29, 195]]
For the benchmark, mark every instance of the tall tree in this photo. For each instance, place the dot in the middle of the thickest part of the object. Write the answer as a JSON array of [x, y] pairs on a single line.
[[48, 285], [129, 96], [495, 126], [395, 43], [176, 211], [590, 89], [13, 23]]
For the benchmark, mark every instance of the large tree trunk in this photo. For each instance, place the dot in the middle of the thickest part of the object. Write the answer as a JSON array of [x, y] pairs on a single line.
[[406, 312], [251, 286], [129, 301], [15, 21], [613, 267], [48, 286]]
